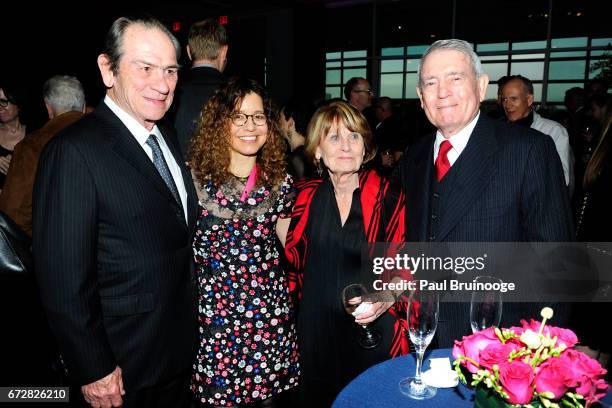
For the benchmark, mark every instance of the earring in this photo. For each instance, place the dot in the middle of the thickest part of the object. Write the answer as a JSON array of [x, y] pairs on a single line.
[[319, 169]]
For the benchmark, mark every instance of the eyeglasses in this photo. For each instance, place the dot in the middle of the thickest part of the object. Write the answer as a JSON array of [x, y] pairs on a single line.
[[4, 102], [371, 92], [240, 119]]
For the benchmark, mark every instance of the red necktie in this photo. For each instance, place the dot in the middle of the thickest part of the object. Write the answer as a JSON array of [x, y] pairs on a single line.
[[442, 163]]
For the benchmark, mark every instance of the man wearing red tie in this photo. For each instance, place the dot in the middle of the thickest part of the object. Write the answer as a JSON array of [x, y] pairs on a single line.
[[476, 179]]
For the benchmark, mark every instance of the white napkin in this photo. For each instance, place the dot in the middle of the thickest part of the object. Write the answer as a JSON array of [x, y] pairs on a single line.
[[363, 307], [440, 374]]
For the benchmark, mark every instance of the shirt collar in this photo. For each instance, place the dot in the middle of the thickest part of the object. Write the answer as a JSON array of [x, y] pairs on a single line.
[[458, 140], [136, 129]]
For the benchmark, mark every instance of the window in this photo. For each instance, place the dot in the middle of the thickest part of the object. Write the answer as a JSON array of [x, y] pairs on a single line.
[[341, 66]]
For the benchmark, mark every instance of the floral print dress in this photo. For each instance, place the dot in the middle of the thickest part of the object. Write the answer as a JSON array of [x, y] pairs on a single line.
[[247, 346]]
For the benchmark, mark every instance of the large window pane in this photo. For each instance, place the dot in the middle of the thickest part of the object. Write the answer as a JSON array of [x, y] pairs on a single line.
[[392, 66], [412, 64], [391, 85], [566, 69], [529, 45], [333, 55], [416, 49], [568, 54], [493, 57], [353, 72], [527, 56], [410, 86], [537, 93], [385, 52], [601, 42], [332, 77], [491, 92], [357, 63], [492, 47], [355, 54], [495, 71], [569, 42], [332, 92], [556, 92], [531, 70]]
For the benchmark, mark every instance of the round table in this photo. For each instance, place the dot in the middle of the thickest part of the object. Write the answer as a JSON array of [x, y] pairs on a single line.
[[377, 387]]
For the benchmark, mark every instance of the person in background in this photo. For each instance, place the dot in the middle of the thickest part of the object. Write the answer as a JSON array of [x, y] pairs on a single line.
[[517, 100], [294, 118], [12, 130], [207, 49], [247, 351], [113, 214], [333, 219], [388, 136], [64, 99], [358, 94], [594, 224]]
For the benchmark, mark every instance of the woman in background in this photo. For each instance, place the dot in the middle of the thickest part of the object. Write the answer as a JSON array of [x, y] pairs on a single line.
[[12, 131]]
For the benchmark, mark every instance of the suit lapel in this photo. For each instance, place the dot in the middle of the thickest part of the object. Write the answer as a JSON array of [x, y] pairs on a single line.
[[126, 147], [472, 172]]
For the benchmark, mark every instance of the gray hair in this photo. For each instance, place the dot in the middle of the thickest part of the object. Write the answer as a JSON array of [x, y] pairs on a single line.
[[113, 44], [462, 46], [64, 93]]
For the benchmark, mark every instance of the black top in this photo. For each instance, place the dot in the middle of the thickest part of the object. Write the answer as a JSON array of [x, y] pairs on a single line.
[[328, 336]]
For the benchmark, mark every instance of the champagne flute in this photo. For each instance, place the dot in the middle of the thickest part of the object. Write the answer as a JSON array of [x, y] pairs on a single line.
[[353, 297], [423, 309], [485, 306]]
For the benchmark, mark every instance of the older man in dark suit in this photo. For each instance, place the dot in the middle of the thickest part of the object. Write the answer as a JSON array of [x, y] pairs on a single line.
[[476, 179], [114, 210]]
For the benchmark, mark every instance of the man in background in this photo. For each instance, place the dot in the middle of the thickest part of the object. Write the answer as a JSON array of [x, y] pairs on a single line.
[[65, 102], [517, 100], [207, 49]]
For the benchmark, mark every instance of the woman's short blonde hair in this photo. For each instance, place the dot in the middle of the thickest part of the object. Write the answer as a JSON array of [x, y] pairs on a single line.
[[340, 112]]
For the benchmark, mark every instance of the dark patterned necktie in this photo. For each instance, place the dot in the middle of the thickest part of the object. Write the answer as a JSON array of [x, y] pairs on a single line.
[[162, 167]]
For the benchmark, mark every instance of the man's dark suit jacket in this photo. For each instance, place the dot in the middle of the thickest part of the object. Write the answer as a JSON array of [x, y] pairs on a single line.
[[199, 84], [113, 254], [506, 186]]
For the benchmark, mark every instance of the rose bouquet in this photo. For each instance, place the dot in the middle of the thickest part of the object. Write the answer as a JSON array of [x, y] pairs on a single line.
[[533, 365]]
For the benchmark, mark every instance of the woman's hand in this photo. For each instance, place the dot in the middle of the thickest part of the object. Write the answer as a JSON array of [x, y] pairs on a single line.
[[377, 309]]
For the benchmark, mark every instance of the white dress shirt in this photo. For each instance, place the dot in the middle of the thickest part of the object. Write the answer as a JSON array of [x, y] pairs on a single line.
[[458, 141], [141, 134]]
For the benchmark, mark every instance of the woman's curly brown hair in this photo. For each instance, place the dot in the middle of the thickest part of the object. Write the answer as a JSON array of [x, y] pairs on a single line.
[[210, 146]]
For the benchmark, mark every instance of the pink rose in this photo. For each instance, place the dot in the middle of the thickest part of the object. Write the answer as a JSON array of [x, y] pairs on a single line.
[[496, 354], [516, 379], [586, 374], [554, 375], [564, 336], [470, 346]]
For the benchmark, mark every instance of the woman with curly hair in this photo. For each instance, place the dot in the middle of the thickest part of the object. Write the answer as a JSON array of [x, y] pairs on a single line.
[[247, 347]]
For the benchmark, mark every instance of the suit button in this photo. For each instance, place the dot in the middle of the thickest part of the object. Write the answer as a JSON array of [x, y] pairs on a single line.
[[434, 216], [432, 238], [436, 195]]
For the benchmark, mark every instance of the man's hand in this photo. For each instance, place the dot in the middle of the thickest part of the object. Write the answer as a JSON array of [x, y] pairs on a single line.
[[106, 392]]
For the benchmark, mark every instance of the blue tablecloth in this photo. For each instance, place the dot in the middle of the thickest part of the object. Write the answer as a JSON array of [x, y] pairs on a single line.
[[378, 387]]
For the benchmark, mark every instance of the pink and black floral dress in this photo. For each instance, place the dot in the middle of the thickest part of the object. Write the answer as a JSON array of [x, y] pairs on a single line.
[[247, 346]]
